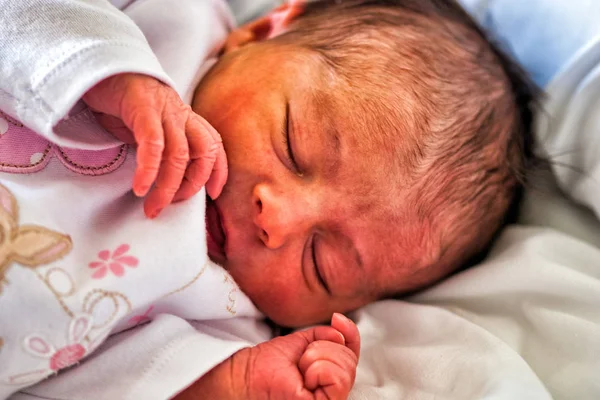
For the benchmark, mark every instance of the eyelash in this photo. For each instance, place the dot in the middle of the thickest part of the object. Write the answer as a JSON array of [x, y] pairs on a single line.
[[289, 154], [317, 271]]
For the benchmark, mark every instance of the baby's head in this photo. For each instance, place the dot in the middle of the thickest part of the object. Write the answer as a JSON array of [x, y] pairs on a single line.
[[374, 147]]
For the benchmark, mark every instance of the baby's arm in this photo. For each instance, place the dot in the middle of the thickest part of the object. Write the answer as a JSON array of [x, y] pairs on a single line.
[[77, 48], [318, 363]]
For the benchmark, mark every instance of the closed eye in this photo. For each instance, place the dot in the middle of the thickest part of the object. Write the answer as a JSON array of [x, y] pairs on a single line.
[[313, 249], [289, 152]]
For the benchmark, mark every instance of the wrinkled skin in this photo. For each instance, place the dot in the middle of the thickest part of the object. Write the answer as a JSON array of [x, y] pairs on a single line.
[[177, 150]]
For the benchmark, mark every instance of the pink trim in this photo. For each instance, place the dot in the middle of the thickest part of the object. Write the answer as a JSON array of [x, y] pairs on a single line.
[[22, 151]]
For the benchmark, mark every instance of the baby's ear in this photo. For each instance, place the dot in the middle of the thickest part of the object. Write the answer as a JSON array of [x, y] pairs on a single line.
[[273, 24], [283, 16]]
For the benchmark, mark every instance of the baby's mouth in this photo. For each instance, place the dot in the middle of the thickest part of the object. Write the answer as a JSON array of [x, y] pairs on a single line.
[[215, 234]]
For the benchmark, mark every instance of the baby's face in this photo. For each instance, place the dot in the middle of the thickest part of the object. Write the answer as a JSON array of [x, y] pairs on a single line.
[[303, 227]]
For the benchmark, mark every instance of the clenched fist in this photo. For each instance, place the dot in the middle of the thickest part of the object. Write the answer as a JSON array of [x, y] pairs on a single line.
[[315, 364], [177, 150]]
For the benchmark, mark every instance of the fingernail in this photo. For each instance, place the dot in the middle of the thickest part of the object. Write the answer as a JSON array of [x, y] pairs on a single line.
[[212, 192], [341, 317], [155, 213], [140, 191]]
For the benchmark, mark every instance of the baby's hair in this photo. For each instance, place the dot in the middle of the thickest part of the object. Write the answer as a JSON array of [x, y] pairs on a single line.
[[449, 109]]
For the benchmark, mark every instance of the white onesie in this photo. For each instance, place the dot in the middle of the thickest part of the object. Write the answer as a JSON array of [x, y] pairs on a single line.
[[78, 259]]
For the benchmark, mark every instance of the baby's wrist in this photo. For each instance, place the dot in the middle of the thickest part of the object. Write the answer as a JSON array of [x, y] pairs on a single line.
[[226, 381], [237, 374]]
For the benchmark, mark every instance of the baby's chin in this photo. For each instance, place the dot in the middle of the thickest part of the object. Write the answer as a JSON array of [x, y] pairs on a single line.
[[293, 321], [299, 315]]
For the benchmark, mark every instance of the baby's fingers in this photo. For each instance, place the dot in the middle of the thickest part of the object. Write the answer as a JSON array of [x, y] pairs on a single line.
[[172, 168], [208, 164], [322, 333], [335, 353], [347, 328], [148, 132], [327, 380]]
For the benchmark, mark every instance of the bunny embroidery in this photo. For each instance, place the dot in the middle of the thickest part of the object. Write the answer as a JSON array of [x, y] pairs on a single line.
[[58, 358], [28, 245]]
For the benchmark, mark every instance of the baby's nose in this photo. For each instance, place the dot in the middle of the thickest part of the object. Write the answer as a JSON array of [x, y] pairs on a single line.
[[279, 216]]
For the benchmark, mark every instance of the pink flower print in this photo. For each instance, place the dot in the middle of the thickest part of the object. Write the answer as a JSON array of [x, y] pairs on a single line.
[[114, 262], [58, 359]]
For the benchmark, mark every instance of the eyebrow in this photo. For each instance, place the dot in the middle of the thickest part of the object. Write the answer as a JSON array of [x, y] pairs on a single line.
[[332, 142], [332, 164]]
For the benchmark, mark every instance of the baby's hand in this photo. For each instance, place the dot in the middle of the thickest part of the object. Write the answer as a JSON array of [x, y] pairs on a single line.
[[318, 363], [327, 363], [177, 150]]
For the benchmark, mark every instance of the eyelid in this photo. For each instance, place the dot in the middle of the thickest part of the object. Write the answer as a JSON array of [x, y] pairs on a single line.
[[316, 265], [289, 153]]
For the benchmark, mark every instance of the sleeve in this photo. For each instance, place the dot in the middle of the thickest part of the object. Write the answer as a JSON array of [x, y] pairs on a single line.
[[52, 52], [152, 361]]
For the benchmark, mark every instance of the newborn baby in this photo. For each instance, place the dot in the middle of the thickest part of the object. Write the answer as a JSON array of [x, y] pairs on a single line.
[[392, 139], [372, 147]]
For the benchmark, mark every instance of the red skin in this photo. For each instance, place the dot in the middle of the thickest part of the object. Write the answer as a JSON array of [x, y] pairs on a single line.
[[317, 363], [177, 150]]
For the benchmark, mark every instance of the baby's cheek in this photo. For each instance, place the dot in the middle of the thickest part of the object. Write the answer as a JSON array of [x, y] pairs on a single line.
[[280, 293], [286, 306], [264, 288], [277, 297]]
